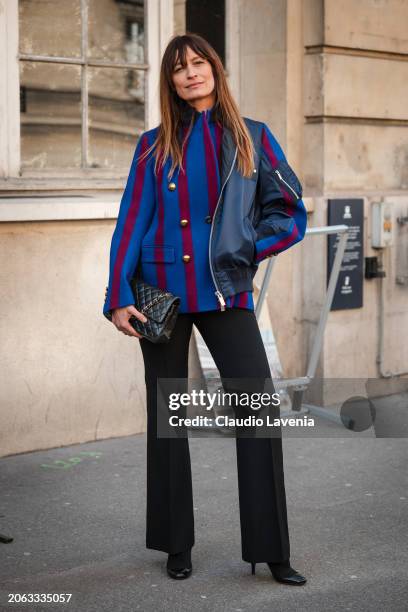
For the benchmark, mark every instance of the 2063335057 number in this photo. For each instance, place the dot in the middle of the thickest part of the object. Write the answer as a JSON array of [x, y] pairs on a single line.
[[39, 597]]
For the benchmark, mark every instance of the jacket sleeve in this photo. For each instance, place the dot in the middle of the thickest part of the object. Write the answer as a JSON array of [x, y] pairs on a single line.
[[281, 215], [135, 215]]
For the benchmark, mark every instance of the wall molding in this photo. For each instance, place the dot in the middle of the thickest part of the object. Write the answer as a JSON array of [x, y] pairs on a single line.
[[373, 53], [59, 208]]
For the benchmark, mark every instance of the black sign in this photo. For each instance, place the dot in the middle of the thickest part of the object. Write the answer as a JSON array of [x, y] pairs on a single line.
[[349, 288]]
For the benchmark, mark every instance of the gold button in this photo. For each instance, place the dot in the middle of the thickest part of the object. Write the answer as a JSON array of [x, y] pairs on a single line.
[[172, 186], [186, 258], [184, 222]]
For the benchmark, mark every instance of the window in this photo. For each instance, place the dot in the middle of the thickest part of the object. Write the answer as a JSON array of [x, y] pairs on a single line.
[[218, 22], [82, 85], [207, 18]]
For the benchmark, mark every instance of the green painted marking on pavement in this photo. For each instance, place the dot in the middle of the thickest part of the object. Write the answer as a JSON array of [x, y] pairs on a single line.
[[60, 464]]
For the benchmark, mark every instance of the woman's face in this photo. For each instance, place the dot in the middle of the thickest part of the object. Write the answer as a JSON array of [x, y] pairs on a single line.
[[195, 82]]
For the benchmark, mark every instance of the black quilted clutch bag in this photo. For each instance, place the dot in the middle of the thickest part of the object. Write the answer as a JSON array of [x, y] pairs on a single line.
[[160, 307]]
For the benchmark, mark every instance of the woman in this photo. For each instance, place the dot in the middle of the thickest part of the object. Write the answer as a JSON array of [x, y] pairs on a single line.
[[209, 196]]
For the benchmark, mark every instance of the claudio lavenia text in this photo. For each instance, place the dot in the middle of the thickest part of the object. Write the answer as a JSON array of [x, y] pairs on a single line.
[[249, 421]]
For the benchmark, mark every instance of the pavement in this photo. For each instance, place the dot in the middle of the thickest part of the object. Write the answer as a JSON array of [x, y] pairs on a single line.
[[77, 516]]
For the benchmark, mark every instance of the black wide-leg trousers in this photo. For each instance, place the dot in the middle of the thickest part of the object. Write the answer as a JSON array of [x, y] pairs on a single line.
[[234, 340]]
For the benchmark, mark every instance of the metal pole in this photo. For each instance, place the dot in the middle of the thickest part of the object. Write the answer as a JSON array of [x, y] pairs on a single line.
[[334, 275], [264, 287]]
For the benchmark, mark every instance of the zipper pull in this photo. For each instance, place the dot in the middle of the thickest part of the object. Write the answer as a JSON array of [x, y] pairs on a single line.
[[287, 184], [221, 300]]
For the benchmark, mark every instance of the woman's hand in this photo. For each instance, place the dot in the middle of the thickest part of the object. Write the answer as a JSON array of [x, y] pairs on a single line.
[[120, 319]]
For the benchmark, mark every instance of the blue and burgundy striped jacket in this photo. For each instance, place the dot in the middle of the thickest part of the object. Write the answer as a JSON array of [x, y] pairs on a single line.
[[163, 227]]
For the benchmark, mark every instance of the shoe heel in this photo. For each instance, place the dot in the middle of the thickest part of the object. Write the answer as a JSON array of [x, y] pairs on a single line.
[[253, 567]]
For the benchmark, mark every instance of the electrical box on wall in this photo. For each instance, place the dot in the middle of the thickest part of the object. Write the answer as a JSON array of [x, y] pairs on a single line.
[[381, 216], [401, 239]]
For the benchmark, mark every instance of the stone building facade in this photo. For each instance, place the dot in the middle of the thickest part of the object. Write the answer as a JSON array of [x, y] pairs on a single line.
[[329, 77]]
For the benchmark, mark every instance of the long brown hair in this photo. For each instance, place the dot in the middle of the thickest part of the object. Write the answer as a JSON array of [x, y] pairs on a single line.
[[226, 111]]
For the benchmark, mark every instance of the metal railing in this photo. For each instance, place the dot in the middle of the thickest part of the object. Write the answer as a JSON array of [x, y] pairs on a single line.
[[301, 383]]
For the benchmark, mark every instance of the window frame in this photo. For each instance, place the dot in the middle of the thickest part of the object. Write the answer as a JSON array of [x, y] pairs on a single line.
[[158, 27]]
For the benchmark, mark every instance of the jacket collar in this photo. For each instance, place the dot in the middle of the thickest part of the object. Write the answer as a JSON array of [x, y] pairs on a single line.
[[228, 145], [188, 111]]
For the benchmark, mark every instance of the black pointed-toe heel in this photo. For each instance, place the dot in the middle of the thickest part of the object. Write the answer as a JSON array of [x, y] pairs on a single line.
[[179, 565], [179, 574], [284, 573]]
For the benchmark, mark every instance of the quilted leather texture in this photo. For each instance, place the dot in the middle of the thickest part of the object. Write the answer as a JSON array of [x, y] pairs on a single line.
[[160, 307]]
